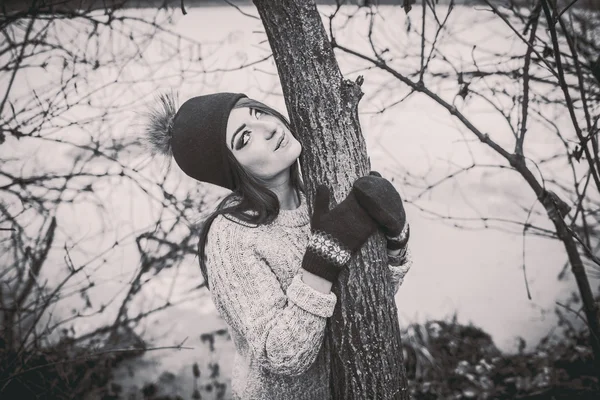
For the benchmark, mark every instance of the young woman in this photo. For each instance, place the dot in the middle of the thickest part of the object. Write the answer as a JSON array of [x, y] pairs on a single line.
[[268, 263]]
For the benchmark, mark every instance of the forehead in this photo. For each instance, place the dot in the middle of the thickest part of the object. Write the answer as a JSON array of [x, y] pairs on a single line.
[[237, 117]]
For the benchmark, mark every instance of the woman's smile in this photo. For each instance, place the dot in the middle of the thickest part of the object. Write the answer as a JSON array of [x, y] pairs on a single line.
[[282, 141]]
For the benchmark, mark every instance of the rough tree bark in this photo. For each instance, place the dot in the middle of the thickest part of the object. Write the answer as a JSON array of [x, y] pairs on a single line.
[[363, 336]]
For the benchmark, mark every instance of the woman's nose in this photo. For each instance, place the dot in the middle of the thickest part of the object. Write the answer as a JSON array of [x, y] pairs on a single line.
[[270, 128]]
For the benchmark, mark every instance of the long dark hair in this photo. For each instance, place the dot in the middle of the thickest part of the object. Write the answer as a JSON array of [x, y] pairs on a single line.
[[251, 201]]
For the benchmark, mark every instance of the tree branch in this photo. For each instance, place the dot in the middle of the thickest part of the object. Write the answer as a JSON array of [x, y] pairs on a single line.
[[525, 101]]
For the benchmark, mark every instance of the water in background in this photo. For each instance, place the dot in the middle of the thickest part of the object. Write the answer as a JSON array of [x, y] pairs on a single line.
[[474, 273]]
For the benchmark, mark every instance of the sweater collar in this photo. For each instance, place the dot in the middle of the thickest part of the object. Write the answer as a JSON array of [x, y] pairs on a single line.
[[296, 217]]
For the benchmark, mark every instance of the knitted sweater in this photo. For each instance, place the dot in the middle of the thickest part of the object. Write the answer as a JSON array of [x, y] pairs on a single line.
[[276, 321]]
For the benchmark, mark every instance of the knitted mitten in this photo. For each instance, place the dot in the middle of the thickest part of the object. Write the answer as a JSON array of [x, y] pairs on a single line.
[[383, 203], [336, 234], [399, 242]]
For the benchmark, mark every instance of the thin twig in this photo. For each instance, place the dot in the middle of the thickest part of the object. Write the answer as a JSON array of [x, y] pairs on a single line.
[[577, 313], [557, 17], [422, 72], [589, 252], [537, 53], [17, 64], [567, 95], [525, 102], [590, 134], [524, 235], [240, 10]]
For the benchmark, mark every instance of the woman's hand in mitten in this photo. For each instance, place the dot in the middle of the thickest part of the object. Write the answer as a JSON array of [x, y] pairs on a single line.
[[336, 234], [383, 203]]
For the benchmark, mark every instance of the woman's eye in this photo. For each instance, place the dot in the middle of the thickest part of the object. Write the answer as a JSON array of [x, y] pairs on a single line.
[[243, 140], [257, 113]]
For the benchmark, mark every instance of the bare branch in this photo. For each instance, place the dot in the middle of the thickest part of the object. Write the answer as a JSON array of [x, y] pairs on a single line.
[[525, 101], [570, 107], [518, 34]]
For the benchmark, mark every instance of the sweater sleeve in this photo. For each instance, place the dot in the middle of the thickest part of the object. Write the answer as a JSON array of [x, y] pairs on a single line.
[[398, 270], [284, 329]]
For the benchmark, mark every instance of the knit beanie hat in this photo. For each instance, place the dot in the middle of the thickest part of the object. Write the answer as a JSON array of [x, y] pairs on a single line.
[[198, 137], [195, 135]]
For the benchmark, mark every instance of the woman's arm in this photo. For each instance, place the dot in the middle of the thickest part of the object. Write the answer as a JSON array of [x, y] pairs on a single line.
[[284, 329], [316, 282], [398, 267]]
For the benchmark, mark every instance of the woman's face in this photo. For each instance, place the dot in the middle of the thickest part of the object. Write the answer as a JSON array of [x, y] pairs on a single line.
[[261, 143]]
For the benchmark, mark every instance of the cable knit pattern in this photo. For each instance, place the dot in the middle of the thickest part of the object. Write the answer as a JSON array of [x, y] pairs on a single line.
[[276, 321]]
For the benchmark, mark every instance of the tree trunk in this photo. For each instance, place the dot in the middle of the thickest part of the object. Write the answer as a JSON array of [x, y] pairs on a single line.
[[363, 335]]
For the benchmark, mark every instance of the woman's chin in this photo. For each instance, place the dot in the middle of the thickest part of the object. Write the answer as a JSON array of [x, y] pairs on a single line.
[[296, 149]]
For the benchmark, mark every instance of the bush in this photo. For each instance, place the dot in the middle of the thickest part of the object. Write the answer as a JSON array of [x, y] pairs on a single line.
[[446, 360], [66, 370], [48, 374]]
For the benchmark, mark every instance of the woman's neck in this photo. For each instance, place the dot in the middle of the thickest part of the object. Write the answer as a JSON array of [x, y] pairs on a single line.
[[285, 192], [288, 198]]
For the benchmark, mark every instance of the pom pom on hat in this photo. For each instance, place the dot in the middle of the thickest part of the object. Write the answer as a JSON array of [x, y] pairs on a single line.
[[158, 130], [194, 134]]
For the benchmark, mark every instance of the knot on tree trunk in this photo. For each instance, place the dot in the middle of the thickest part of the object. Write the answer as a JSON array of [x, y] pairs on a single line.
[[351, 92]]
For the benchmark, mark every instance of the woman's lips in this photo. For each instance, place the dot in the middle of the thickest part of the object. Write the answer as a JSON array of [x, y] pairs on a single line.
[[280, 143]]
